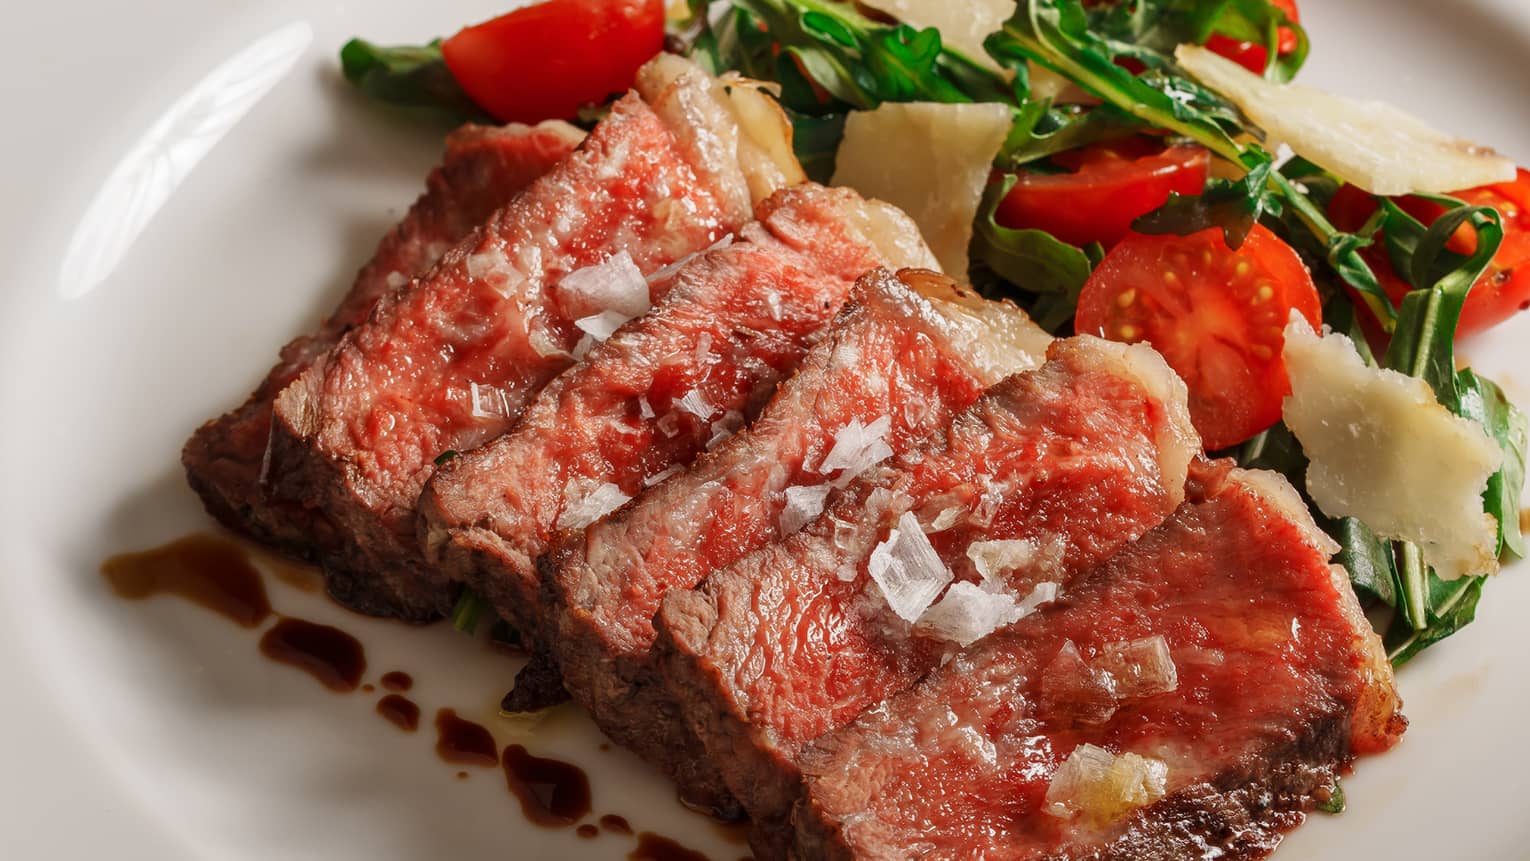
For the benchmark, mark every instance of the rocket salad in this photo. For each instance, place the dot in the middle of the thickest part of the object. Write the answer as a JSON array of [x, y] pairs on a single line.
[[1131, 198]]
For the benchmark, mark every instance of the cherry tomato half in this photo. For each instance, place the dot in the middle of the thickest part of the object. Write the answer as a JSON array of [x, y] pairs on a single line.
[[1218, 316], [1504, 288], [546, 61], [1111, 185], [1252, 55]]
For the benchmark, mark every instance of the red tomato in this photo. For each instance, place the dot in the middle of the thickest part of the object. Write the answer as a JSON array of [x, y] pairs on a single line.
[[546, 61], [1218, 316], [1504, 288], [1252, 55], [1112, 184]]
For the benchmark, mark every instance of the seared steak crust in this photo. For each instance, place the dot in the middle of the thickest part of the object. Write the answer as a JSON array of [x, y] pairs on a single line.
[[484, 167], [1274, 694], [1083, 455], [450, 362]]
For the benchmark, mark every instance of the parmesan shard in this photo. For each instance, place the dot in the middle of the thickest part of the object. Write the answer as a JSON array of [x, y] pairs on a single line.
[[956, 144], [1383, 450], [1374, 145]]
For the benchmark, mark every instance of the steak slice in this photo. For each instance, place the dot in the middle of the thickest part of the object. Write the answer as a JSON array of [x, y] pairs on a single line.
[[914, 360], [1277, 681], [1078, 458], [484, 167], [450, 363], [648, 400]]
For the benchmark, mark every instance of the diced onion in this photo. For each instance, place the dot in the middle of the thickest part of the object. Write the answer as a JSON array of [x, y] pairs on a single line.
[[802, 505], [907, 569], [1102, 787], [586, 501]]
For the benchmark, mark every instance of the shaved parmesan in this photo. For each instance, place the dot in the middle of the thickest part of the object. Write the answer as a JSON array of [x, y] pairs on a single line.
[[907, 569], [955, 144], [1374, 145], [968, 613], [1102, 787], [587, 500], [857, 448], [1383, 450], [802, 505], [614, 284]]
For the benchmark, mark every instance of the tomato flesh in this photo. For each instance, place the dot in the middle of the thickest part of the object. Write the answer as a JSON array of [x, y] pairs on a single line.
[[1110, 186], [1218, 316], [546, 61], [1502, 291], [1252, 55]]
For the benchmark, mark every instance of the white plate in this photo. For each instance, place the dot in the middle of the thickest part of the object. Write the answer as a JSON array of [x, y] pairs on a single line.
[[249, 183]]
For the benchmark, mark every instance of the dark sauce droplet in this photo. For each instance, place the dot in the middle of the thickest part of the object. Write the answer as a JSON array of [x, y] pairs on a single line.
[[462, 775], [615, 824], [397, 682], [210, 572], [653, 847], [328, 654], [587, 831], [400, 711], [462, 741], [367, 689], [553, 793]]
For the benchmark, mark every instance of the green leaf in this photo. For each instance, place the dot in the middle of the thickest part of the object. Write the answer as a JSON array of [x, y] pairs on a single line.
[[407, 75], [1452, 606], [1041, 129], [1484, 402], [468, 610], [1368, 559], [1047, 271], [1235, 206], [445, 456], [1336, 801], [815, 141]]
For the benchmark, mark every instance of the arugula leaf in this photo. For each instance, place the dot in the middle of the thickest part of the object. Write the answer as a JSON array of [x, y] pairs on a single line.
[[1234, 205], [1047, 271], [408, 75], [1336, 801], [1484, 402], [1041, 129], [1451, 605], [468, 610]]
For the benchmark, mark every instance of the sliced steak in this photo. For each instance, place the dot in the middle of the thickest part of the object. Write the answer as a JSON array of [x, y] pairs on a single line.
[[908, 360], [483, 169], [1273, 681], [450, 362], [1077, 458]]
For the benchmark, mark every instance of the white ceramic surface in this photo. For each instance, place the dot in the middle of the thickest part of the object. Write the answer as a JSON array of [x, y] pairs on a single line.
[[187, 185]]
